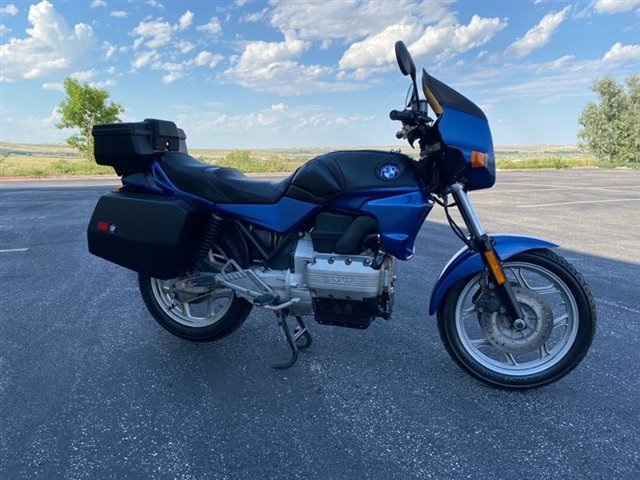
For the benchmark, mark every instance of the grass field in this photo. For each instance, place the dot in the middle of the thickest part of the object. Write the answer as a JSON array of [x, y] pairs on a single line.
[[38, 161]]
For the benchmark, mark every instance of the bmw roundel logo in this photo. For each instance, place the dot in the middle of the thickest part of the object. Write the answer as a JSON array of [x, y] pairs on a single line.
[[389, 171]]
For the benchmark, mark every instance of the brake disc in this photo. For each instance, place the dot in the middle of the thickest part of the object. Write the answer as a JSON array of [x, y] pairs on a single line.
[[538, 318]]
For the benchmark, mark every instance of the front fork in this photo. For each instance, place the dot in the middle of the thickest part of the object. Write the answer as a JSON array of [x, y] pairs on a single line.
[[483, 244]]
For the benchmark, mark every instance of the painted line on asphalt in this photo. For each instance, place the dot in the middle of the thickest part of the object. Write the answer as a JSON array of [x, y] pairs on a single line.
[[557, 186], [557, 204], [10, 250], [618, 305], [17, 219], [497, 189]]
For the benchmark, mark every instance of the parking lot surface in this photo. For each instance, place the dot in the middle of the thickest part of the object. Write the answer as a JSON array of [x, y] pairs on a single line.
[[91, 387]]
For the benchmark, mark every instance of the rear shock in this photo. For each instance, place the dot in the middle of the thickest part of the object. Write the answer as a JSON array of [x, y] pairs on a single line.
[[209, 237]]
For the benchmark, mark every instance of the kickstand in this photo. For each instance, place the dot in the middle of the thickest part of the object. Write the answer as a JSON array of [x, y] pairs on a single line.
[[299, 332]]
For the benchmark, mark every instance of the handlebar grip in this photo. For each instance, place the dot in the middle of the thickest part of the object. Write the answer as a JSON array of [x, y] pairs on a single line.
[[404, 116]]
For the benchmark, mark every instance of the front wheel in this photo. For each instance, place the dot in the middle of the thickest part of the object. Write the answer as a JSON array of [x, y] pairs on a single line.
[[560, 319]]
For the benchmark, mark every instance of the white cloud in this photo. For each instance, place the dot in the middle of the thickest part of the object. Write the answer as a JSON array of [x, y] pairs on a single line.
[[103, 84], [445, 41], [614, 6], [109, 50], [352, 19], [619, 53], [185, 20], [255, 16], [158, 33], [85, 75], [98, 3], [279, 107], [118, 14], [439, 42], [538, 36], [207, 58], [155, 4], [19, 128], [377, 50], [213, 28], [551, 81], [270, 67], [258, 54], [9, 10], [50, 45], [4, 29], [303, 118], [55, 86], [184, 46], [144, 58], [560, 64], [174, 72], [152, 34]]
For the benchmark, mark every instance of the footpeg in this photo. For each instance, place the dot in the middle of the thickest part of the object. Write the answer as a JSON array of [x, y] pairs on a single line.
[[265, 299], [246, 282], [205, 281]]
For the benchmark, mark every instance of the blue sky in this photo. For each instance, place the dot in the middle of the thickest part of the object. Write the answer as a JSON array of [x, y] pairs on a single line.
[[246, 74]]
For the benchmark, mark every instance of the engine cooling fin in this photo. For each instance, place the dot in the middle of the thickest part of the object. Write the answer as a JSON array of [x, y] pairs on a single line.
[[343, 313]]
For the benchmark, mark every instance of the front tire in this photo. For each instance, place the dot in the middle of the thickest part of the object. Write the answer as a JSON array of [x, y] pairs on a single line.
[[560, 316], [197, 316]]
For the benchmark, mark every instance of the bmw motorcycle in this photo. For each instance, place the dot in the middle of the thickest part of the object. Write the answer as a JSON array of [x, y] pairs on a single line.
[[209, 244]]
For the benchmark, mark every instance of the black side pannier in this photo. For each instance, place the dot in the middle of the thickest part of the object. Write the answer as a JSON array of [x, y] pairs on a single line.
[[131, 147], [146, 233]]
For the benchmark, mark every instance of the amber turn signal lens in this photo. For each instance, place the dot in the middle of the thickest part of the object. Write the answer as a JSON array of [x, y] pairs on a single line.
[[478, 159], [494, 266]]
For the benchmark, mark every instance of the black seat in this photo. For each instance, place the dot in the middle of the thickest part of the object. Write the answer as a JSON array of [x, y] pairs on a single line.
[[219, 184]]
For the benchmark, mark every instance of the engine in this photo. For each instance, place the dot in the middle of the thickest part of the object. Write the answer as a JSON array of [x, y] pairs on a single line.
[[338, 289]]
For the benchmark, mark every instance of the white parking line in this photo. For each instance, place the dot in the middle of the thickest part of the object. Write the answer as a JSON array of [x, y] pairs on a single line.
[[618, 305], [558, 186], [9, 250], [14, 219], [617, 200]]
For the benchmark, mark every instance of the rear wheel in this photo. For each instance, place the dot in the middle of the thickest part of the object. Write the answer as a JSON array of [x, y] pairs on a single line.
[[560, 320], [195, 313]]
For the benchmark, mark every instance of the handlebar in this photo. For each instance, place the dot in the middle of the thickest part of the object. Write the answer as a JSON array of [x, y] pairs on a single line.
[[415, 124], [410, 117], [405, 116]]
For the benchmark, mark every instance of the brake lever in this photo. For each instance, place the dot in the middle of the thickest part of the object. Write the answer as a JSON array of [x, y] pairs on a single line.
[[413, 135], [406, 130]]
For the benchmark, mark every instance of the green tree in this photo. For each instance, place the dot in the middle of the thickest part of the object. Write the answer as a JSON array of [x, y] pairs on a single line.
[[84, 107], [611, 128]]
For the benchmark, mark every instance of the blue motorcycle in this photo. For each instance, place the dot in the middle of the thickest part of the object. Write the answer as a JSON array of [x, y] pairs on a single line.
[[209, 244]]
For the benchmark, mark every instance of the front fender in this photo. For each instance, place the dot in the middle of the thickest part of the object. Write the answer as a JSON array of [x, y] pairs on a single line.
[[466, 262]]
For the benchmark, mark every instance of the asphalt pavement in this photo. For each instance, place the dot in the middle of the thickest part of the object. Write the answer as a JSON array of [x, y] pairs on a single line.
[[91, 387]]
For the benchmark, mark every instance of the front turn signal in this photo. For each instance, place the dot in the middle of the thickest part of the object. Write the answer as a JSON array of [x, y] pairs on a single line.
[[478, 159], [494, 266]]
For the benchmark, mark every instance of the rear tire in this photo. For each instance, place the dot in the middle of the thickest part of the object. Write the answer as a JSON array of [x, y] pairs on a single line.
[[192, 316], [560, 315]]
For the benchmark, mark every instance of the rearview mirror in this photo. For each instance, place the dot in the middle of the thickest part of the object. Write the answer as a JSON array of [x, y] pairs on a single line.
[[405, 62]]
